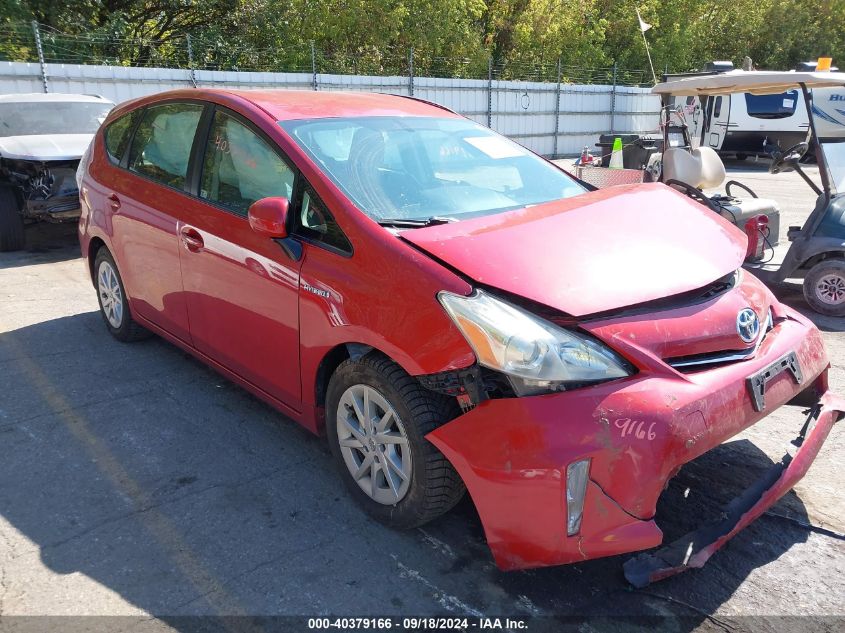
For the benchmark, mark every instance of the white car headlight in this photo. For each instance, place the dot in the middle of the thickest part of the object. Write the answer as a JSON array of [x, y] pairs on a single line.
[[536, 355]]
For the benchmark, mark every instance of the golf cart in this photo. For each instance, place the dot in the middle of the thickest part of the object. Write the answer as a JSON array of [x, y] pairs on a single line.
[[814, 252]]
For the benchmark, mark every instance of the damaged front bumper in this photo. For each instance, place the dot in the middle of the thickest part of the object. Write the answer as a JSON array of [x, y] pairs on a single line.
[[695, 548], [513, 453]]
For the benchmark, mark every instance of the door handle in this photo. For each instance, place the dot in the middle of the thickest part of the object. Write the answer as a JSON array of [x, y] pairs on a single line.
[[191, 239], [114, 202]]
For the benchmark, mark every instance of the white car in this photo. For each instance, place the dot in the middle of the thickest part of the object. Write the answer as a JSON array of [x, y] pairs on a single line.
[[42, 138]]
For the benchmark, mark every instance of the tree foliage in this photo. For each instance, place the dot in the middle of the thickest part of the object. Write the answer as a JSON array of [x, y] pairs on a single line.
[[452, 37]]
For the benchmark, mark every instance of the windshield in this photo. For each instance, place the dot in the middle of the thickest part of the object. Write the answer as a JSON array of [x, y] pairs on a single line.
[[416, 168], [51, 117], [834, 156]]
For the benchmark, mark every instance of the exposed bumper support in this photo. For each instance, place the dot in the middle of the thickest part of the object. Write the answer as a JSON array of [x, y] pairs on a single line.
[[695, 548], [55, 209]]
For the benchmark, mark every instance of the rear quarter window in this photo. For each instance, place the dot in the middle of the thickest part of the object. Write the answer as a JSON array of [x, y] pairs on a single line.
[[118, 134]]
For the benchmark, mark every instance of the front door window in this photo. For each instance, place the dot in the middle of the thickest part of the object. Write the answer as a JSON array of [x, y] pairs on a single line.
[[240, 167]]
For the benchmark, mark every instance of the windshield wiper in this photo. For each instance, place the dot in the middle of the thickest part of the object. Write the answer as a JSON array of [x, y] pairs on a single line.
[[416, 223]]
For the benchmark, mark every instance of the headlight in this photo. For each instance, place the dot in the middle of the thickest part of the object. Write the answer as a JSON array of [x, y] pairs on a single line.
[[536, 355]]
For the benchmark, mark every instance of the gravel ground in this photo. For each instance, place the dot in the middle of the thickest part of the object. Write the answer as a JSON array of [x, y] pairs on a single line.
[[136, 481]]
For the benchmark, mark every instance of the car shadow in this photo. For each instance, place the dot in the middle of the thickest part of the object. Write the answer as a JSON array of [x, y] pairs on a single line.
[[45, 243], [792, 294], [181, 494], [752, 163]]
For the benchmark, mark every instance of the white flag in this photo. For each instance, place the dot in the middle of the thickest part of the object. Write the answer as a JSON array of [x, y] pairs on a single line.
[[644, 26]]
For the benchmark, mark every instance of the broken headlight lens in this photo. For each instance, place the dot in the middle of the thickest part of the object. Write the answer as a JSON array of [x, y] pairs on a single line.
[[537, 356]]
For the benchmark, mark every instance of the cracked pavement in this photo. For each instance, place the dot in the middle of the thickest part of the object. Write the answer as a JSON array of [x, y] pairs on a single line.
[[136, 481]]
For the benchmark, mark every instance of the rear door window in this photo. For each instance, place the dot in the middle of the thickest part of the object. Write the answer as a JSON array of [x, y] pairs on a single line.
[[161, 148], [240, 167], [118, 134]]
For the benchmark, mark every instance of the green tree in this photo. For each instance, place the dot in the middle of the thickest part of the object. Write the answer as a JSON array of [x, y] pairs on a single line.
[[450, 37]]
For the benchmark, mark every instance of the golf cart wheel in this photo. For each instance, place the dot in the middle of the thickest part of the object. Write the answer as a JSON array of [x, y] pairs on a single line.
[[114, 306], [377, 417], [824, 287], [12, 237]]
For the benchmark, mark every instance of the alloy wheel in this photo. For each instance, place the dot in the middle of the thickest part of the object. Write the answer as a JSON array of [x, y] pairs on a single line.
[[374, 444], [111, 297]]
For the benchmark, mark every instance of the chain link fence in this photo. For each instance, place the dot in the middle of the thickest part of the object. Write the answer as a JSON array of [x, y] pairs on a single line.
[[551, 108]]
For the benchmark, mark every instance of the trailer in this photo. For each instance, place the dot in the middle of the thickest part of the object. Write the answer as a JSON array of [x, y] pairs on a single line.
[[746, 124]]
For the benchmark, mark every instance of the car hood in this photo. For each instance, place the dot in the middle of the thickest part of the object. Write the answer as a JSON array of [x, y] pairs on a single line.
[[598, 251], [45, 146]]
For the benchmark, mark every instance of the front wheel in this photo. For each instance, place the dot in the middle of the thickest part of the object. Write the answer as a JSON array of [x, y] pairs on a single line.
[[824, 287], [377, 417]]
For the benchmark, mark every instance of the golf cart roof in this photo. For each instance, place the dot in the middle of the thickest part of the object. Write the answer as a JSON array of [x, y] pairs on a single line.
[[754, 81]]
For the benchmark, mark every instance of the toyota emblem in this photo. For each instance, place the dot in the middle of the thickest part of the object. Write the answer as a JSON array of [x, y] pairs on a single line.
[[747, 325]]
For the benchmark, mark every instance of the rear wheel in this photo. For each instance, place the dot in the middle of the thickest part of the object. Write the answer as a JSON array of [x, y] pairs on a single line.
[[12, 237], [114, 307], [824, 287], [377, 417]]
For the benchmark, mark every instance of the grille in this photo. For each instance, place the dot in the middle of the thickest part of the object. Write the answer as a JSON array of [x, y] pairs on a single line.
[[699, 362]]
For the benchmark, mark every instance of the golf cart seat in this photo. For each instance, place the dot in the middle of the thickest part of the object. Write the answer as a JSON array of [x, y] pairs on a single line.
[[691, 171], [702, 168]]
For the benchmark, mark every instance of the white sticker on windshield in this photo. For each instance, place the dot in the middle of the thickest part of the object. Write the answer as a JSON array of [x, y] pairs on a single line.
[[496, 146], [788, 103]]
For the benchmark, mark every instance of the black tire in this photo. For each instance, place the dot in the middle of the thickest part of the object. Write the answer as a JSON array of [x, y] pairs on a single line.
[[12, 236], [128, 329], [741, 156], [833, 270], [435, 487]]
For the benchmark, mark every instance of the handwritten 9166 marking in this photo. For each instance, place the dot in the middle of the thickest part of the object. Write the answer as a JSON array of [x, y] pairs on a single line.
[[635, 428]]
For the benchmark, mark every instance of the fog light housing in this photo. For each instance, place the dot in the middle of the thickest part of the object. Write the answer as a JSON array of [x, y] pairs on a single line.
[[576, 490]]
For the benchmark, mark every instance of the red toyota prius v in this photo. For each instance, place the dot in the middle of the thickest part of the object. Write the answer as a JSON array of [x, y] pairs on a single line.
[[452, 311]]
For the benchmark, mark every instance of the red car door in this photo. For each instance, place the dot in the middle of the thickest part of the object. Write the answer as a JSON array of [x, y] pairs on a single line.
[[145, 201], [241, 288]]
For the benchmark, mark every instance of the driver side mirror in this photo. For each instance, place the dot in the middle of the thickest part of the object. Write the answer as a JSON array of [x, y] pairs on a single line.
[[268, 216]]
